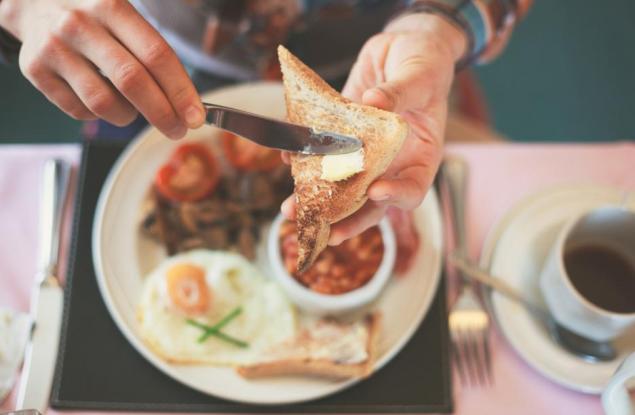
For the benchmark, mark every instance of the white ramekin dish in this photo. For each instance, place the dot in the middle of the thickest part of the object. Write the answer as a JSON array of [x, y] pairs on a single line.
[[337, 304]]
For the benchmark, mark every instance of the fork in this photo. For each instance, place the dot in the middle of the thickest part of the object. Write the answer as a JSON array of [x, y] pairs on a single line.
[[469, 322]]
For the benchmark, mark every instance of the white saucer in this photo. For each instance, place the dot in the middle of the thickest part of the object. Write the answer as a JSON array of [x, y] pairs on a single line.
[[515, 250]]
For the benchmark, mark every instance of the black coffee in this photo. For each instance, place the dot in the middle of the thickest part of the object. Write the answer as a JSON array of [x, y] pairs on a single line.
[[603, 276]]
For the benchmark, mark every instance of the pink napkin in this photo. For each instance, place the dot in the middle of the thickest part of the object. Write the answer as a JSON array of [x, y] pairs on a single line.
[[500, 176], [20, 177]]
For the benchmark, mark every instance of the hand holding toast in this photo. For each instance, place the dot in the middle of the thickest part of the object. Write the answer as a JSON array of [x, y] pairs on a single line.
[[407, 69]]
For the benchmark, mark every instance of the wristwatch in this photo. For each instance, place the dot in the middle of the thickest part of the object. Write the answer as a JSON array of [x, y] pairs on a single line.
[[487, 23]]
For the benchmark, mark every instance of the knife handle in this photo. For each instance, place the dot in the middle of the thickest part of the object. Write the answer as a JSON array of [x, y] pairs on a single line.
[[55, 180]]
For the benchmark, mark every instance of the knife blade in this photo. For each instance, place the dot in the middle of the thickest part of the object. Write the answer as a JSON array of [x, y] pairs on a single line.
[[47, 295], [278, 134]]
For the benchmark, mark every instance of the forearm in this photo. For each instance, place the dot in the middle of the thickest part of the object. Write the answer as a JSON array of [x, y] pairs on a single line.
[[503, 31], [523, 7]]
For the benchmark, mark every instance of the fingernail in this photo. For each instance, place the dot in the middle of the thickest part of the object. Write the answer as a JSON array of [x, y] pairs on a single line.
[[285, 207], [194, 116], [381, 198], [379, 97], [177, 132], [334, 240]]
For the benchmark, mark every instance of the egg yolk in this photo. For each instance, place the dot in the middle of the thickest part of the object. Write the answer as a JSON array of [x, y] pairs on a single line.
[[187, 288]]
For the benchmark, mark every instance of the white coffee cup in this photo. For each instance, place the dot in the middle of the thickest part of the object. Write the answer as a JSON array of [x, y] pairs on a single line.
[[612, 227], [615, 398]]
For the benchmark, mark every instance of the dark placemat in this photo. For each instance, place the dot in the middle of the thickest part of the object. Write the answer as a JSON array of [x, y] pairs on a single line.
[[98, 369]]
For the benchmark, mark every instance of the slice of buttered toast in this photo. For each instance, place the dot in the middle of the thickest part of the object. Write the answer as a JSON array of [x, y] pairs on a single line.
[[324, 198], [323, 348]]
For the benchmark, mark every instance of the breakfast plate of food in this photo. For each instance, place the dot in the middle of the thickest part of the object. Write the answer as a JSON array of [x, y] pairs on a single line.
[[216, 289]]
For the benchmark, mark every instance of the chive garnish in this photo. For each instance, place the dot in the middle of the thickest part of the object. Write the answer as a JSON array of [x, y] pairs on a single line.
[[214, 330]]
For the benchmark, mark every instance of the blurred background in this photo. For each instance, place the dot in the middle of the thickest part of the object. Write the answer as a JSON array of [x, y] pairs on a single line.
[[568, 74]]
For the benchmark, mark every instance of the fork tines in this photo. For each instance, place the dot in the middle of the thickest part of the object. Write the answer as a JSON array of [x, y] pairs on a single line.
[[469, 328]]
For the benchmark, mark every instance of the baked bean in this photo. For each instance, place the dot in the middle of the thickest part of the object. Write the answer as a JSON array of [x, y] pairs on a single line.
[[323, 265], [290, 264], [338, 271], [352, 243], [364, 253]]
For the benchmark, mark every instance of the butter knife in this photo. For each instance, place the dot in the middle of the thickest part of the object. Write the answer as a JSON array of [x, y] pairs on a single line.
[[47, 295], [278, 134]]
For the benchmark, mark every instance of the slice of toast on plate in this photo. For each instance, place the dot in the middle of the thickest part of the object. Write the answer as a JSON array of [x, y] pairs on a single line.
[[330, 188], [323, 348]]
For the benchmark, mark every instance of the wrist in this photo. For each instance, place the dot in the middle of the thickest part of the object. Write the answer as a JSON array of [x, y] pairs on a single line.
[[438, 27]]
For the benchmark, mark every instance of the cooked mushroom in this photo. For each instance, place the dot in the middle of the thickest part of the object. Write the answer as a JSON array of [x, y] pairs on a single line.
[[191, 243], [262, 192], [230, 218], [216, 237], [247, 243], [198, 215]]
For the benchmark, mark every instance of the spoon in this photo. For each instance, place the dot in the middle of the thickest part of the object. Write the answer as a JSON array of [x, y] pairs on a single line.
[[577, 344]]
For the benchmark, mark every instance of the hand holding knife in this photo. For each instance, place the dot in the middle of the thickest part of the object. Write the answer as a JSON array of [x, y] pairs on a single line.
[[47, 296]]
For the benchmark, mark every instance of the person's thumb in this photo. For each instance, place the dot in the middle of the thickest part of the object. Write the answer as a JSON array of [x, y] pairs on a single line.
[[405, 89]]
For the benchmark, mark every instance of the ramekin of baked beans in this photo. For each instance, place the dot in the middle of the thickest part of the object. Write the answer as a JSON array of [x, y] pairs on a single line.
[[338, 269], [343, 278]]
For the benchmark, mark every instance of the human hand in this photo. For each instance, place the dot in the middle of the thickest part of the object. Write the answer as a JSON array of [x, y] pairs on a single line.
[[407, 69], [100, 58]]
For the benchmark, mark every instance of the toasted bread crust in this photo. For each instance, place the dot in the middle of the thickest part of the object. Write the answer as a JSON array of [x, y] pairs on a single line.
[[311, 101], [320, 367], [307, 367]]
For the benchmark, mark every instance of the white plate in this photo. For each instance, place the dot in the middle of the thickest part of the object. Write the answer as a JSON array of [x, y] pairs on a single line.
[[122, 256], [515, 251]]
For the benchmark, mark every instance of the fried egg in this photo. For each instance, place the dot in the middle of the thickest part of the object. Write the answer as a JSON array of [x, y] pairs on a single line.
[[189, 293]]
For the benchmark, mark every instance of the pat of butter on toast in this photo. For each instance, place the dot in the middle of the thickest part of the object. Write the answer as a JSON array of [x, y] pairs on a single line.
[[336, 167]]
